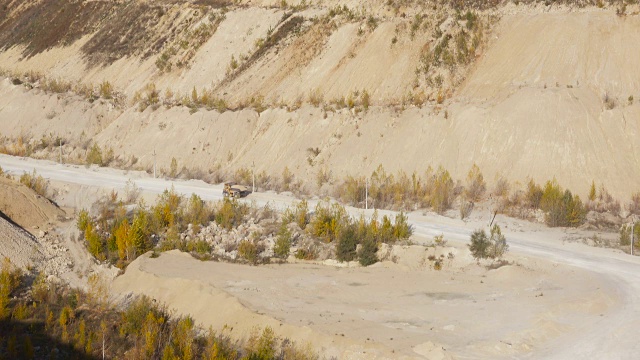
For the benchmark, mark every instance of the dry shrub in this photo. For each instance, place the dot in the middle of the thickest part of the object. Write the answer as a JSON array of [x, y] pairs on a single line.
[[248, 251], [35, 182], [634, 205], [243, 176], [315, 98], [502, 187], [476, 185], [106, 90], [604, 202], [323, 176]]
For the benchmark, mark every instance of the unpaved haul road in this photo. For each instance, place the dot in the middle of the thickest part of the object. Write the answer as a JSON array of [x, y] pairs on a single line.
[[614, 336]]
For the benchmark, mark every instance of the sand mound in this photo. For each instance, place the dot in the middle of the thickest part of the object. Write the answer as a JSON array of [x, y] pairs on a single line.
[[211, 306], [26, 208]]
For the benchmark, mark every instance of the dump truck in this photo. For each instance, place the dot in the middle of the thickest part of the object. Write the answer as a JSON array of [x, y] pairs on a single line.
[[234, 190]]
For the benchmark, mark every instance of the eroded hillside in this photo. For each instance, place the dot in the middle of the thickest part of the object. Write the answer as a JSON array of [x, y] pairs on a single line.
[[328, 90]]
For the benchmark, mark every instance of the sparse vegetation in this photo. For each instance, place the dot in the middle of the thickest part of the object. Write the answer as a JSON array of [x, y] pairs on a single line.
[[149, 96], [35, 182], [46, 318], [118, 237], [561, 207], [105, 91], [99, 156]]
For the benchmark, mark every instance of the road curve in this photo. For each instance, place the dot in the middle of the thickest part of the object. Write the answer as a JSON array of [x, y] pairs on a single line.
[[614, 336]]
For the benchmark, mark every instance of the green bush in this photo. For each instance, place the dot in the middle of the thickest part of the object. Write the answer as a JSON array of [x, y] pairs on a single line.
[[83, 220], [298, 214], [347, 244], [479, 245], [94, 156], [95, 244], [327, 221], [230, 213], [402, 230], [498, 243], [140, 233], [283, 242], [307, 253], [248, 251], [367, 255], [10, 280], [199, 246], [262, 346], [168, 211], [135, 315], [197, 213], [483, 247], [561, 207]]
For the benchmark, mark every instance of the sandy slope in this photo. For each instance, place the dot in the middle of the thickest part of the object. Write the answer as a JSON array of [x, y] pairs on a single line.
[[26, 208], [532, 107], [18, 245], [587, 49]]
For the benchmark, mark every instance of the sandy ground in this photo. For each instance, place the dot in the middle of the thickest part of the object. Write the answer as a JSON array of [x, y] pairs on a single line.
[[558, 300], [389, 310]]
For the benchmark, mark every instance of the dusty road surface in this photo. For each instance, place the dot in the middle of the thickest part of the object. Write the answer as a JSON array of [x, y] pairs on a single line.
[[560, 300]]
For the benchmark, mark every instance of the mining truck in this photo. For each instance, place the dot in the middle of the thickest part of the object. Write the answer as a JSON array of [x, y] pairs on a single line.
[[234, 190]]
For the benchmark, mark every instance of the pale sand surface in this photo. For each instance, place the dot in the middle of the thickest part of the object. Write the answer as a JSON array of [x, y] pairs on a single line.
[[388, 310]]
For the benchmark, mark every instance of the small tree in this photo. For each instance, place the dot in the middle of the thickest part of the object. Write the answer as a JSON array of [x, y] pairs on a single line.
[[368, 252], [9, 281], [287, 179], [552, 203], [94, 156], [476, 185], [592, 191], [173, 168], [534, 194], [283, 242], [442, 194], [402, 230], [483, 247], [347, 244], [479, 244], [498, 243]]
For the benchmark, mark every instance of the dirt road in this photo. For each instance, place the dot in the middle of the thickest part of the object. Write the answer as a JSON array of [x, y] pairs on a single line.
[[609, 335]]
